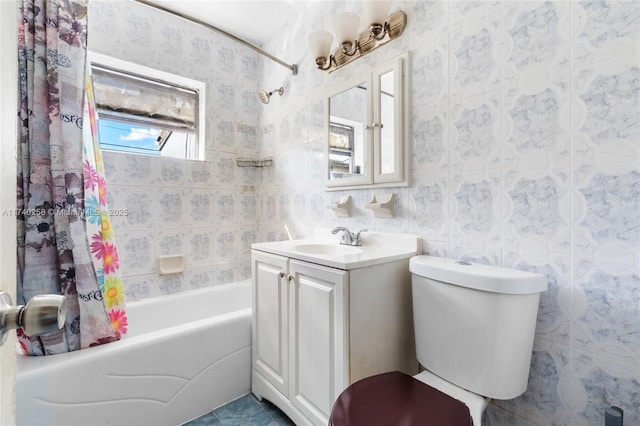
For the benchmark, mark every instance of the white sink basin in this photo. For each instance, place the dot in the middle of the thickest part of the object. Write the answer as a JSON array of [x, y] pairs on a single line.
[[326, 249]]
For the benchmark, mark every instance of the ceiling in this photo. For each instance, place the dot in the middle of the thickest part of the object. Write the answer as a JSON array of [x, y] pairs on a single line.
[[255, 21]]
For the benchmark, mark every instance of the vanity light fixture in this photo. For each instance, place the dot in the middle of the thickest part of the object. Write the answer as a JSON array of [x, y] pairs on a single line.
[[352, 45]]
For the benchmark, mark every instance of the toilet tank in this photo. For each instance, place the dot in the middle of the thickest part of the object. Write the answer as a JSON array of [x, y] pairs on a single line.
[[474, 324]]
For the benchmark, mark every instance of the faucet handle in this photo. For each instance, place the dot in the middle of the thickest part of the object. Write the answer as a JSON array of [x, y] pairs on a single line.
[[356, 238]]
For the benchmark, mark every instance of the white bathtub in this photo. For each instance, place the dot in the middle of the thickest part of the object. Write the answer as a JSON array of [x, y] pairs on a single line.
[[183, 356]]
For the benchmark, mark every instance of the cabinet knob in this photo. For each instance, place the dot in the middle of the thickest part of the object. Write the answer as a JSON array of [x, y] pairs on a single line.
[[291, 278], [282, 275]]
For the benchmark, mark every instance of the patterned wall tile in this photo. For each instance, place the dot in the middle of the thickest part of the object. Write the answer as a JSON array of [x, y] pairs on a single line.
[[475, 134], [536, 206], [315, 114], [170, 284], [246, 237], [607, 320], [536, 43], [170, 241], [485, 254], [475, 58], [599, 383], [495, 415], [243, 271], [201, 51], [612, 207], [268, 208], [171, 172], [225, 207], [430, 207], [225, 170], [248, 205], [430, 70], [536, 131], [426, 21], [138, 169], [139, 202], [172, 41], [199, 278], [199, 208], [137, 253], [225, 95], [476, 208], [113, 167], [200, 247], [611, 98], [248, 104], [247, 135], [139, 30], [224, 273], [224, 134], [225, 244], [200, 174], [430, 141], [170, 207], [139, 287], [464, 13], [436, 248], [604, 30]]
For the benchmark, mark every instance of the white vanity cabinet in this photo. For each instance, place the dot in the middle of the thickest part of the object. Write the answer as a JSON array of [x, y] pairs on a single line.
[[317, 329]]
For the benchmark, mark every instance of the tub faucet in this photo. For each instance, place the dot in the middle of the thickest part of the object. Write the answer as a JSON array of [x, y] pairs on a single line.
[[349, 238]]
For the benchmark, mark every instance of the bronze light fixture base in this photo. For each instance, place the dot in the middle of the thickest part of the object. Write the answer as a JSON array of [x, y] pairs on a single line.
[[367, 41]]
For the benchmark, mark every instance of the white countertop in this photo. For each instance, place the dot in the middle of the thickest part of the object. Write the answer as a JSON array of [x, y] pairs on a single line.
[[376, 248]]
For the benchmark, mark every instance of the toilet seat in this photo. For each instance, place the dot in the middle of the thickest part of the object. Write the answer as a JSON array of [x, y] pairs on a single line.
[[397, 399]]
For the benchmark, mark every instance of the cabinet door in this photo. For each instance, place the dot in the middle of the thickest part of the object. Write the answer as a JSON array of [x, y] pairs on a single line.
[[270, 319], [388, 136], [318, 333]]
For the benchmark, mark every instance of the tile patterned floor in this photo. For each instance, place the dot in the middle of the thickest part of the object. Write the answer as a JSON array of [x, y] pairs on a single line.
[[245, 411]]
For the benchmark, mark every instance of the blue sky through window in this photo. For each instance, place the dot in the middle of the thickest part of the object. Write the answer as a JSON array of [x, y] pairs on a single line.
[[127, 137]]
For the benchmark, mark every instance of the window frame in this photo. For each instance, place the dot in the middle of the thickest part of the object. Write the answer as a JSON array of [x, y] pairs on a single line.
[[163, 77]]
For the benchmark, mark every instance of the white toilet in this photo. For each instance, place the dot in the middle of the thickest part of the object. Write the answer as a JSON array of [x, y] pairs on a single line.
[[474, 329]]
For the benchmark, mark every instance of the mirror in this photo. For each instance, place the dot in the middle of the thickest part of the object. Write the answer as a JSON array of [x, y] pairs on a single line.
[[387, 134], [347, 122], [366, 143]]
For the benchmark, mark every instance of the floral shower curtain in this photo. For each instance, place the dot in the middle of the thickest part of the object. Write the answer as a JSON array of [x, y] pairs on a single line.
[[65, 241]]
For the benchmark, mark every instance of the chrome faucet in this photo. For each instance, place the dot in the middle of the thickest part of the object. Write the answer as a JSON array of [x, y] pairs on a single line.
[[349, 238]]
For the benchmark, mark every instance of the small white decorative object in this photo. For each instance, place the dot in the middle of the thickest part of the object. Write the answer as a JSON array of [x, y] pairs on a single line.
[[342, 207], [383, 205], [171, 264]]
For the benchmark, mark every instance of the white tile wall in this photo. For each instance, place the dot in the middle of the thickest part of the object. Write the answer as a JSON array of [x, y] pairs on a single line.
[[198, 209]]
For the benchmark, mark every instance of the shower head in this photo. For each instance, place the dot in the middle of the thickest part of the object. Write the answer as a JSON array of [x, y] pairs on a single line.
[[265, 97]]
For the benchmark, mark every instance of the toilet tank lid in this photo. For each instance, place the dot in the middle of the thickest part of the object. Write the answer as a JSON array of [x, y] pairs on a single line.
[[478, 276]]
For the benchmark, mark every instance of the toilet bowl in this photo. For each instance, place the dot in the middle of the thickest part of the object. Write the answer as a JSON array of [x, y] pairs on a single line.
[[474, 327]]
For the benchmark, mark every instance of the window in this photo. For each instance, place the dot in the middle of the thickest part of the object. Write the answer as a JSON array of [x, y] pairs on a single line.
[[146, 111]]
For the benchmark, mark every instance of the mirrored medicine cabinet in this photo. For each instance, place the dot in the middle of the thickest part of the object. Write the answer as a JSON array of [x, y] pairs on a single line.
[[367, 125]]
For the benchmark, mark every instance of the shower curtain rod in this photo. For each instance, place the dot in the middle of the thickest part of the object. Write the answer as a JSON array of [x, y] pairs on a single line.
[[292, 67]]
